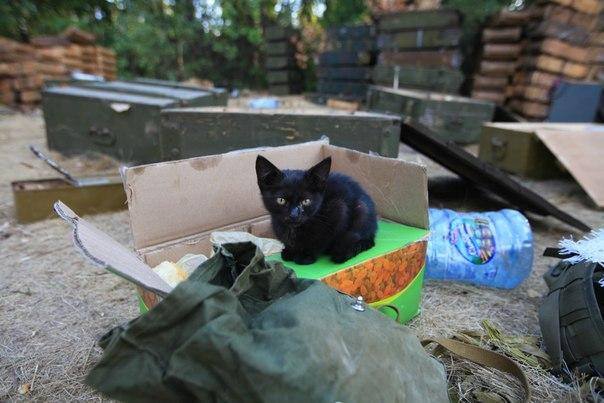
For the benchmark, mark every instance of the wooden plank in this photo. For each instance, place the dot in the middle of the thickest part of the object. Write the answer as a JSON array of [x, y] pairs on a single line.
[[587, 6], [485, 82], [530, 109], [29, 96], [490, 68], [426, 58], [561, 49], [420, 39], [575, 70], [553, 12], [497, 97], [7, 95], [538, 94], [536, 78], [28, 82], [501, 51], [546, 63], [407, 20], [501, 35]]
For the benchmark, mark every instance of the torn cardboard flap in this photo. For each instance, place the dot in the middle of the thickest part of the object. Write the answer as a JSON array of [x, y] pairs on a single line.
[[580, 152], [103, 251], [172, 201]]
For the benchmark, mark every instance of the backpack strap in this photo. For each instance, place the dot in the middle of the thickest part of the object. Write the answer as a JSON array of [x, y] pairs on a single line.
[[549, 322], [482, 357]]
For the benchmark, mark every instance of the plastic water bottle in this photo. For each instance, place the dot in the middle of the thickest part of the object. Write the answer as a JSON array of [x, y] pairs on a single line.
[[493, 249]]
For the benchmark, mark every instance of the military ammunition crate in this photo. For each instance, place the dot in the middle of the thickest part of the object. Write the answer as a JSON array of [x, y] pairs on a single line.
[[190, 132], [450, 117], [120, 119]]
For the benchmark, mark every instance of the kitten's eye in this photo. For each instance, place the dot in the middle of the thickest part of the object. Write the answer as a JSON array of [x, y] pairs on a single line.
[[306, 202], [281, 201]]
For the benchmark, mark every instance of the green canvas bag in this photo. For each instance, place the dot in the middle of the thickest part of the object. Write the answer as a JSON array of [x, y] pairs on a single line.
[[244, 329]]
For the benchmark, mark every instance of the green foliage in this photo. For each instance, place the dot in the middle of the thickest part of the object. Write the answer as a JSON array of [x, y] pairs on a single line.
[[219, 40], [340, 12]]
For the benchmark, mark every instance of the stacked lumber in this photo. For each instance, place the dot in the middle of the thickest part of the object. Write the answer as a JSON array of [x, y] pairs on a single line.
[[24, 68], [557, 48], [77, 51], [423, 42], [345, 65], [597, 51], [501, 49], [22, 74], [284, 76]]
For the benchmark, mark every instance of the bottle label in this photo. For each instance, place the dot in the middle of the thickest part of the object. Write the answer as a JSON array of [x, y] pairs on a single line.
[[473, 238]]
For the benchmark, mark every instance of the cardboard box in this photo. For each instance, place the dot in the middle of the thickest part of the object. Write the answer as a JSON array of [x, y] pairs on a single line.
[[175, 206]]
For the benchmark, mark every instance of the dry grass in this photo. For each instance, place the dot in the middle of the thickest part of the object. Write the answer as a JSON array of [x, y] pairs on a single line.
[[54, 305]]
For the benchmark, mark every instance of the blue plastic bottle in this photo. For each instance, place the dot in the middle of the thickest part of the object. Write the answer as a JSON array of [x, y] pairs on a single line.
[[493, 249]]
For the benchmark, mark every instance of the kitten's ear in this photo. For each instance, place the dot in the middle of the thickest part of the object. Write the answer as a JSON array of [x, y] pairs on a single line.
[[319, 173], [267, 173]]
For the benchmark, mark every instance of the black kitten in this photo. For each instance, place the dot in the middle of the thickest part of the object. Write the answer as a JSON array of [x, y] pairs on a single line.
[[315, 212]]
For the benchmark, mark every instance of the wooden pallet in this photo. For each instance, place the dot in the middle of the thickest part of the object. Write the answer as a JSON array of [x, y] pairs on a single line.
[[501, 51], [501, 35], [493, 68], [485, 82]]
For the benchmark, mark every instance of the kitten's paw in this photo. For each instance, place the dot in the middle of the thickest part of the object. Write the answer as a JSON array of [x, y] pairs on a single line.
[[287, 255], [341, 257], [305, 259]]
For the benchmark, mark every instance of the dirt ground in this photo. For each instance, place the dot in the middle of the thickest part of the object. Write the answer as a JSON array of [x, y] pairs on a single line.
[[54, 305]]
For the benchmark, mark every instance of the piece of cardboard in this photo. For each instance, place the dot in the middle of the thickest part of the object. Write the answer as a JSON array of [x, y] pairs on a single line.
[[103, 251], [180, 202], [579, 151]]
